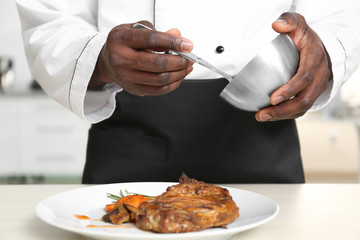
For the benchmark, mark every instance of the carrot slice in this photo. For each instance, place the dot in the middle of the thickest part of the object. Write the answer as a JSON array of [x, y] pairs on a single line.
[[109, 207], [133, 200]]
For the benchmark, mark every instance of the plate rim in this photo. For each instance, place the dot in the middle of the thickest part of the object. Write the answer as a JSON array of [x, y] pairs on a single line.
[[203, 233]]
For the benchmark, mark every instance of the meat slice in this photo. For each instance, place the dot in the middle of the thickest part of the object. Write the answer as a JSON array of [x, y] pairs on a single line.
[[189, 206], [118, 215]]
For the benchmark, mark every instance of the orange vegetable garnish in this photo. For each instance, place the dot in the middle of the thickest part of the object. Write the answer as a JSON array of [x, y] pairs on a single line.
[[109, 207], [133, 200]]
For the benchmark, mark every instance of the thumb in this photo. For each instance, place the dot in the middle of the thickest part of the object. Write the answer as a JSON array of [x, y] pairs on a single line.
[[292, 24], [176, 33], [286, 23], [281, 26]]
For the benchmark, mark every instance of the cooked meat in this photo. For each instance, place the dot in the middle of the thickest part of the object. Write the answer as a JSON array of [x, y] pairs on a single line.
[[124, 210], [118, 215], [189, 206]]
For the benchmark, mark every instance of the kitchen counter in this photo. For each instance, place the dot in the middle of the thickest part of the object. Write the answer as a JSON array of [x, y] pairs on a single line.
[[307, 211]]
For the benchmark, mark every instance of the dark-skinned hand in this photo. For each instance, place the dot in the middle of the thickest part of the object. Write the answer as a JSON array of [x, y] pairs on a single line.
[[295, 98], [128, 59]]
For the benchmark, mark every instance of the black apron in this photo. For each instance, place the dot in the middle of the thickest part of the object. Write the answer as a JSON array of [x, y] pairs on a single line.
[[191, 130]]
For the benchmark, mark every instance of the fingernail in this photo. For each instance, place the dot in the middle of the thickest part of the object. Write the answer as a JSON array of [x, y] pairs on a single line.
[[186, 45], [282, 21], [265, 117], [278, 100]]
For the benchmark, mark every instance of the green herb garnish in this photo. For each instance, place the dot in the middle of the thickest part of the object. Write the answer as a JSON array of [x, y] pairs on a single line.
[[127, 193]]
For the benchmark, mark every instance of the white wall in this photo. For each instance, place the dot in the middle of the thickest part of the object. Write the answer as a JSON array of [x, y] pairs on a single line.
[[11, 44]]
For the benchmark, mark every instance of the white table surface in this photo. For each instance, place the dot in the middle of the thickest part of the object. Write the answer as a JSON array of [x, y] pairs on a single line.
[[307, 211]]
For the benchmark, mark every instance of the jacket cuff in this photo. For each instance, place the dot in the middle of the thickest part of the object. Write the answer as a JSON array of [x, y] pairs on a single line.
[[92, 106], [100, 105]]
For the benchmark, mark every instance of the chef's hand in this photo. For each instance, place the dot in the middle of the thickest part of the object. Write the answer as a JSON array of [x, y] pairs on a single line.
[[128, 59], [293, 99]]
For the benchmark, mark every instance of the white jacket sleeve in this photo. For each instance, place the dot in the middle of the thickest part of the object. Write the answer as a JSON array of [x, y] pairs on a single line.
[[62, 45], [338, 25]]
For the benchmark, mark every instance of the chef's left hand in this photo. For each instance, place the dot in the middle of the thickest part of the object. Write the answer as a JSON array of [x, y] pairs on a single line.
[[295, 98]]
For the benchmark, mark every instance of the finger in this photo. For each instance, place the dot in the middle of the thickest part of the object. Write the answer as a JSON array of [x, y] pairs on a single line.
[[151, 39], [320, 83], [303, 78], [159, 79], [287, 110], [153, 62], [143, 90], [311, 58], [299, 104], [290, 109], [174, 32]]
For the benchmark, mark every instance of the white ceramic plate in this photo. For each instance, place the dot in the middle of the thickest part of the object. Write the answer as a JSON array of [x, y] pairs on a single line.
[[59, 211]]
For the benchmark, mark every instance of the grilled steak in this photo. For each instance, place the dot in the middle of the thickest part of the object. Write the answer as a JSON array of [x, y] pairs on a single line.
[[189, 206]]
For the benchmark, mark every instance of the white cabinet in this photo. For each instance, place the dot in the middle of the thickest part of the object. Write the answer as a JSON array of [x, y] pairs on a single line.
[[40, 137], [330, 149], [9, 159]]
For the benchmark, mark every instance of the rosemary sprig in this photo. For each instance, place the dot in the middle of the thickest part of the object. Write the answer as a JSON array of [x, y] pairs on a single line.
[[127, 193], [114, 197]]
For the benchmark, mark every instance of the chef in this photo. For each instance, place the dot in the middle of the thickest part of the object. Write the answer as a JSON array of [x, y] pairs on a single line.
[[156, 115]]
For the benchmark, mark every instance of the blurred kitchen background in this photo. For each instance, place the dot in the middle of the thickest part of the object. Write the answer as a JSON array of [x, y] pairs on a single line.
[[41, 142]]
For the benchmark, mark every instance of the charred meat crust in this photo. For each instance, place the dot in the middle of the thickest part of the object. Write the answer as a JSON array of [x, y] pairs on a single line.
[[189, 206]]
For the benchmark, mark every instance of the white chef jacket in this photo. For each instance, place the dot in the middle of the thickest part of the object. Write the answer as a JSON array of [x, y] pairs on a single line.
[[63, 39]]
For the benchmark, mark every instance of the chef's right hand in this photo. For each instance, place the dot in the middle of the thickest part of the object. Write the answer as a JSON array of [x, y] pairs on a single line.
[[128, 59]]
